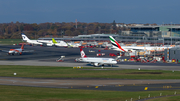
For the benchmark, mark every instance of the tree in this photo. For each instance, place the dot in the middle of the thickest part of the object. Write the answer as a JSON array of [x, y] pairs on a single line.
[[68, 32]]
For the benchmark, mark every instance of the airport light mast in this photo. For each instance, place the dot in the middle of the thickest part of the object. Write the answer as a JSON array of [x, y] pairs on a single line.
[[76, 23], [163, 33], [171, 34]]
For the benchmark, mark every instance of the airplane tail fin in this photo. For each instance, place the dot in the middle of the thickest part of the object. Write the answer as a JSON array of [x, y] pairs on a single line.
[[115, 43], [83, 55], [22, 47], [24, 37], [53, 40]]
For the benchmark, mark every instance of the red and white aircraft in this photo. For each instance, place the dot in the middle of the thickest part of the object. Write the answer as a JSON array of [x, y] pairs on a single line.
[[17, 51], [96, 61]]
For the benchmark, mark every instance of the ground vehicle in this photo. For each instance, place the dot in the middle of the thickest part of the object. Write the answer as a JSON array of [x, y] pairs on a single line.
[[112, 54]]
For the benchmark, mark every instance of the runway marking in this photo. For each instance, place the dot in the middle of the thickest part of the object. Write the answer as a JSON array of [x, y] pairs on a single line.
[[167, 87], [145, 88]]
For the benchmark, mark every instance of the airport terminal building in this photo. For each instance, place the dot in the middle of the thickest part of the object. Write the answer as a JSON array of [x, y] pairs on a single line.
[[167, 35]]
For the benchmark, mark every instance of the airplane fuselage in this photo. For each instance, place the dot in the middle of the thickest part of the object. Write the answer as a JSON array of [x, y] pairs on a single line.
[[15, 51], [99, 61], [61, 43], [33, 42], [149, 48]]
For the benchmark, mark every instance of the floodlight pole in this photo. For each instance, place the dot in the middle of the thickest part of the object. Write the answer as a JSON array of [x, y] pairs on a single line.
[[163, 33], [171, 34]]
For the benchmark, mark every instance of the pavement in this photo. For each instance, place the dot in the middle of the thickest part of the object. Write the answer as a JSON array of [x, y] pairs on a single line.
[[46, 56]]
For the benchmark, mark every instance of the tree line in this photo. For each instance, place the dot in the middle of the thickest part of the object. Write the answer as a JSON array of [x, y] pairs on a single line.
[[34, 30]]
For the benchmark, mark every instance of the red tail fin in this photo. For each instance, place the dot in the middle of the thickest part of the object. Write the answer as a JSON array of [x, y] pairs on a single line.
[[83, 55], [22, 47]]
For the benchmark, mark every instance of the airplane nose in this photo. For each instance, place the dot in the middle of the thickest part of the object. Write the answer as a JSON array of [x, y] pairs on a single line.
[[114, 62], [10, 51]]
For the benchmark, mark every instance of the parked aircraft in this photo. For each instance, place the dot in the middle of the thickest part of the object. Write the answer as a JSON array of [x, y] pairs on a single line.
[[118, 47], [60, 43], [17, 51], [71, 44], [36, 42], [96, 61]]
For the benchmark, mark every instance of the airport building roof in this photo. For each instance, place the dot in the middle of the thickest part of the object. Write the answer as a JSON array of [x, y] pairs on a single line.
[[95, 35], [174, 27], [143, 26]]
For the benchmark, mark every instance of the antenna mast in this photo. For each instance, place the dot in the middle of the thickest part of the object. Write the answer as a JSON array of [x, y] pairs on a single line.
[[76, 23]]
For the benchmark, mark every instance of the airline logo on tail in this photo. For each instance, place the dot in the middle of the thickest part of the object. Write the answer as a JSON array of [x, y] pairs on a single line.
[[53, 40], [22, 47], [115, 43], [83, 55], [24, 37]]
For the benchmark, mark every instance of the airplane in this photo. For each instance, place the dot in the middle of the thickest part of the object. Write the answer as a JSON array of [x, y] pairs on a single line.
[[96, 61], [61, 43], [118, 47], [36, 42], [18, 51], [71, 44], [91, 51]]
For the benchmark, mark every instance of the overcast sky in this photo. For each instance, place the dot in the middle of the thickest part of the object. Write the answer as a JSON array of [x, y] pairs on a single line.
[[103, 11]]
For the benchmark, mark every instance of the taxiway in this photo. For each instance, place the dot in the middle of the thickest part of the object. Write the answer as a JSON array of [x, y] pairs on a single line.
[[46, 56]]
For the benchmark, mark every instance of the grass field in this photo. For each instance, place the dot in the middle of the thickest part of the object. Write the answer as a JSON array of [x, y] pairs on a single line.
[[10, 41], [69, 72], [16, 93]]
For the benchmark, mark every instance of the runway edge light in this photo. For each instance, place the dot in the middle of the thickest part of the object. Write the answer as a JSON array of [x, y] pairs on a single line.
[[14, 73]]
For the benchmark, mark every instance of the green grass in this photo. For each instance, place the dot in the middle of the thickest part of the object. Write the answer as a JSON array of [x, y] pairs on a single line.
[[10, 41], [69, 72], [17, 93], [172, 98]]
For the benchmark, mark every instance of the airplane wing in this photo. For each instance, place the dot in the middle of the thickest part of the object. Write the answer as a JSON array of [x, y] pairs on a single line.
[[26, 51], [5, 50]]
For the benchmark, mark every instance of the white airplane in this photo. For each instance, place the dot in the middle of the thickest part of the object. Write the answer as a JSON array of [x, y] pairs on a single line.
[[18, 51], [60, 43], [91, 51], [71, 44], [118, 47], [36, 42], [96, 61]]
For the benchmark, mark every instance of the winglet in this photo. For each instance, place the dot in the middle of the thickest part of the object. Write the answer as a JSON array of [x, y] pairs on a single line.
[[83, 55], [115, 43], [53, 40]]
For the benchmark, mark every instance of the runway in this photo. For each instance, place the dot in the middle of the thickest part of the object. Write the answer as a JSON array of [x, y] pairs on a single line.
[[46, 56], [94, 84]]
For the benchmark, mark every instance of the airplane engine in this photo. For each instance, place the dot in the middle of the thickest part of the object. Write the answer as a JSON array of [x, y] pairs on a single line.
[[49, 44], [96, 64]]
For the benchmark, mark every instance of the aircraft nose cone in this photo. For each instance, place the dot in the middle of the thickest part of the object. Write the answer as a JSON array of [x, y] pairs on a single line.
[[10, 51]]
